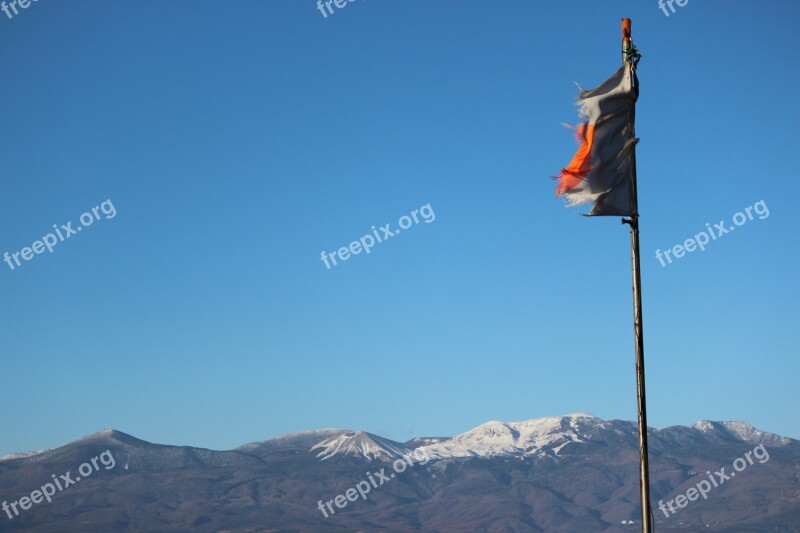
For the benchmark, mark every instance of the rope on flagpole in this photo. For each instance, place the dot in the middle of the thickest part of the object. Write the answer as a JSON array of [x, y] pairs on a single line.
[[631, 53]]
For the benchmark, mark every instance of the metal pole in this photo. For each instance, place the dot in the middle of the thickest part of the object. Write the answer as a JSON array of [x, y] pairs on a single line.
[[644, 465]]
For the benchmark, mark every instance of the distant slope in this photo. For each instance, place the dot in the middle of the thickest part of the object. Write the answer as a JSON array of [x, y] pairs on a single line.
[[570, 473]]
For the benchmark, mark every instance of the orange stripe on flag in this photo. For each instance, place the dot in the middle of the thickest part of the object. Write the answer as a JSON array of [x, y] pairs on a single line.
[[581, 163]]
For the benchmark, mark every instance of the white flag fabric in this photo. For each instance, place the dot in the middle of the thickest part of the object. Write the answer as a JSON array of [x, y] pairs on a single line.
[[603, 171]]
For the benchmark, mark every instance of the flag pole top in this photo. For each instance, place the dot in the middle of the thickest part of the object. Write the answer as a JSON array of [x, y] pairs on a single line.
[[629, 52], [626, 28], [626, 39]]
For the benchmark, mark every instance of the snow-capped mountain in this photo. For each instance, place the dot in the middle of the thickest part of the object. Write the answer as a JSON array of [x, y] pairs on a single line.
[[740, 431], [360, 444], [417, 442], [302, 439], [530, 437], [563, 473]]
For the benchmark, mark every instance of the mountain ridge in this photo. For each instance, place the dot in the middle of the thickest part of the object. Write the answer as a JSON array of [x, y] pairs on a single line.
[[569, 473], [493, 438]]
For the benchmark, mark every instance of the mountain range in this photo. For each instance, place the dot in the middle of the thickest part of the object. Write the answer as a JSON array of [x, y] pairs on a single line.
[[573, 473]]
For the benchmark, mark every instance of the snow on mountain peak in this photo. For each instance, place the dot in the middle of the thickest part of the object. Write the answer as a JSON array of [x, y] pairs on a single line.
[[300, 439], [529, 437], [741, 431], [360, 443], [579, 415]]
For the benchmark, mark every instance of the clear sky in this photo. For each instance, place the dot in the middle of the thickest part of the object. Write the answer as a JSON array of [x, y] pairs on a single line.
[[237, 141]]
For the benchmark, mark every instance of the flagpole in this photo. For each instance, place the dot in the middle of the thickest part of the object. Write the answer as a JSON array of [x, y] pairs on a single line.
[[633, 221]]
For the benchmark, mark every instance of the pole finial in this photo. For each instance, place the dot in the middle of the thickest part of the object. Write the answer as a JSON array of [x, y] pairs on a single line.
[[626, 39], [626, 28]]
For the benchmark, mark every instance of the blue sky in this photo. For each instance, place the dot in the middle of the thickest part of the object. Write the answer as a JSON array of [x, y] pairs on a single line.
[[238, 141]]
